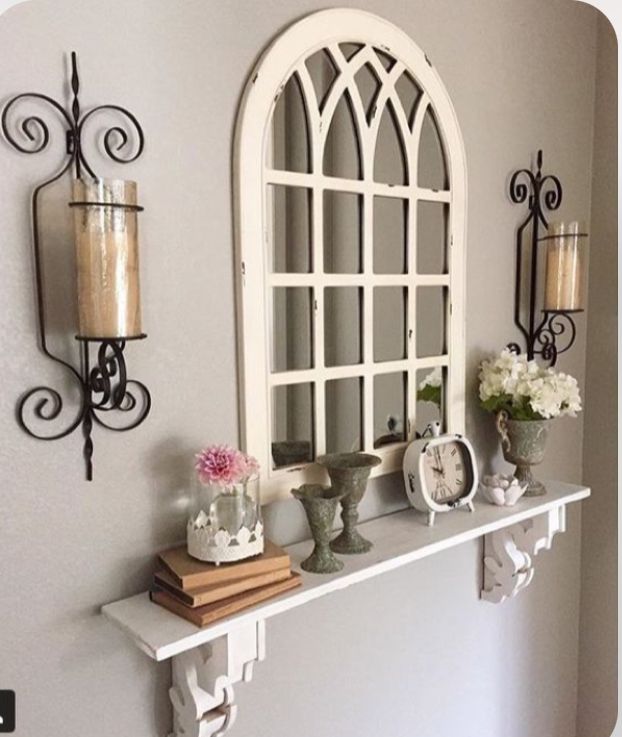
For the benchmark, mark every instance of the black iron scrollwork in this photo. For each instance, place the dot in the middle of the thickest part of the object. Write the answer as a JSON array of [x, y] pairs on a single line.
[[541, 193], [105, 387]]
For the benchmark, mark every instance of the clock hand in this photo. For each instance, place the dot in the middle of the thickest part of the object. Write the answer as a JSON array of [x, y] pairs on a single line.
[[439, 462], [443, 486]]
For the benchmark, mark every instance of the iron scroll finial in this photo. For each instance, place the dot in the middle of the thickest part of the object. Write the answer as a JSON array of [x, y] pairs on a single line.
[[104, 387]]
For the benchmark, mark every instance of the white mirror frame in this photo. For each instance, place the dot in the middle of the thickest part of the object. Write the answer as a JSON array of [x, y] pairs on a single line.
[[286, 54]]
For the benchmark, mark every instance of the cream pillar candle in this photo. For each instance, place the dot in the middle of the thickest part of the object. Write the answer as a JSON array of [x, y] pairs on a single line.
[[564, 267], [106, 236]]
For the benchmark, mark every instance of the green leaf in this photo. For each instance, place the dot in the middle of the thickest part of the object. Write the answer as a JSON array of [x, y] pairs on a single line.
[[430, 394], [498, 403]]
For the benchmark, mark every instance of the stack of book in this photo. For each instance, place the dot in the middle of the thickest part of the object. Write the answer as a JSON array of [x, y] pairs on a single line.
[[204, 593]]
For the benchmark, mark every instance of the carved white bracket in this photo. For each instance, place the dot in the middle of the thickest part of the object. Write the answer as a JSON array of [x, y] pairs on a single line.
[[509, 553], [203, 678]]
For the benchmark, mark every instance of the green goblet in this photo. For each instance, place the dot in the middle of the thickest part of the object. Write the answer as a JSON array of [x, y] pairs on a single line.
[[320, 505], [348, 474]]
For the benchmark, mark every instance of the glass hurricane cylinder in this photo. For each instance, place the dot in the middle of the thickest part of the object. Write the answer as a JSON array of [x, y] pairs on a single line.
[[224, 523], [565, 267], [106, 238]]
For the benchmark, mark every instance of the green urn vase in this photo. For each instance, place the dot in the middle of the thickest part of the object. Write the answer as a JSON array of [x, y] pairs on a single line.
[[524, 443]]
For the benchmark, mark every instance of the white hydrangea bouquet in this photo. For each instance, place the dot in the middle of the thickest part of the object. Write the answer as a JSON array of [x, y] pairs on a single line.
[[430, 387], [526, 390], [526, 397]]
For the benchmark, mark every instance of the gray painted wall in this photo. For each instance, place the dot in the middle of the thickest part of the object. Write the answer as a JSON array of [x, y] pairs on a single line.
[[597, 709], [414, 652]]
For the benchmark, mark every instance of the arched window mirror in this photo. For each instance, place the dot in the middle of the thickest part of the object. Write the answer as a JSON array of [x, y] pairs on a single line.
[[350, 220]]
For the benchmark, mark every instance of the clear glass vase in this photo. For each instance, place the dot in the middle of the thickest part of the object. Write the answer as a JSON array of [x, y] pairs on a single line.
[[225, 523]]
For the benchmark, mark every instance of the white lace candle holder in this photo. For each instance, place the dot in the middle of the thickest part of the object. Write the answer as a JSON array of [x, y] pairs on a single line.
[[225, 522]]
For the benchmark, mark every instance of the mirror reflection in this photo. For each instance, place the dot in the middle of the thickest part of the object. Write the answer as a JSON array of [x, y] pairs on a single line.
[[323, 73], [430, 397], [369, 86], [342, 149], [431, 317], [390, 164], [290, 210], [289, 146], [390, 323], [343, 345], [390, 423], [432, 172], [292, 329], [344, 415], [292, 431], [390, 235], [343, 213], [432, 229], [409, 93]]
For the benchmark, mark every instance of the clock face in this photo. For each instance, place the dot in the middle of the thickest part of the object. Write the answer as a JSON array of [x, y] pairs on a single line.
[[447, 471]]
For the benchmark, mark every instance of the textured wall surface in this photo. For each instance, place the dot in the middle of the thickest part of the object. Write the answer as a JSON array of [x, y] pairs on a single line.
[[597, 708], [414, 652]]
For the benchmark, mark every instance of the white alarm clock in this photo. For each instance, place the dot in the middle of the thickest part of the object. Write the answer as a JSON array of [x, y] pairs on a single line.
[[440, 472]]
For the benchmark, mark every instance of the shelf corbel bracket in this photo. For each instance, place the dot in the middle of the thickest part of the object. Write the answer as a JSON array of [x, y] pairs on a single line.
[[203, 679], [509, 553]]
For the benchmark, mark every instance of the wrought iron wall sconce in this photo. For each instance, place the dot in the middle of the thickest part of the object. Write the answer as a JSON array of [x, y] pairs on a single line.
[[547, 325], [105, 221]]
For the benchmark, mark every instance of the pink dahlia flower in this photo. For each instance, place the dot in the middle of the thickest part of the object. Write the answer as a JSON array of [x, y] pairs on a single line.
[[223, 465], [251, 466]]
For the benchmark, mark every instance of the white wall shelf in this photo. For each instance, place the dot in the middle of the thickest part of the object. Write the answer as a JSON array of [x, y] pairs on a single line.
[[208, 662]]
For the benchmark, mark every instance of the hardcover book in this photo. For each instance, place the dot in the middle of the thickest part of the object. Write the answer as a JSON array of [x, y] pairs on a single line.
[[190, 573], [216, 592], [209, 613]]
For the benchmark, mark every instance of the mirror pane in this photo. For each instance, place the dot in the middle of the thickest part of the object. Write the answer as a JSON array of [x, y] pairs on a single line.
[[432, 168], [431, 315], [292, 424], [343, 345], [390, 310], [389, 158], [323, 73], [385, 59], [290, 147], [343, 213], [292, 328], [344, 415], [350, 50], [389, 409], [430, 398], [368, 86], [342, 148], [390, 217], [432, 230], [409, 93], [289, 210]]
